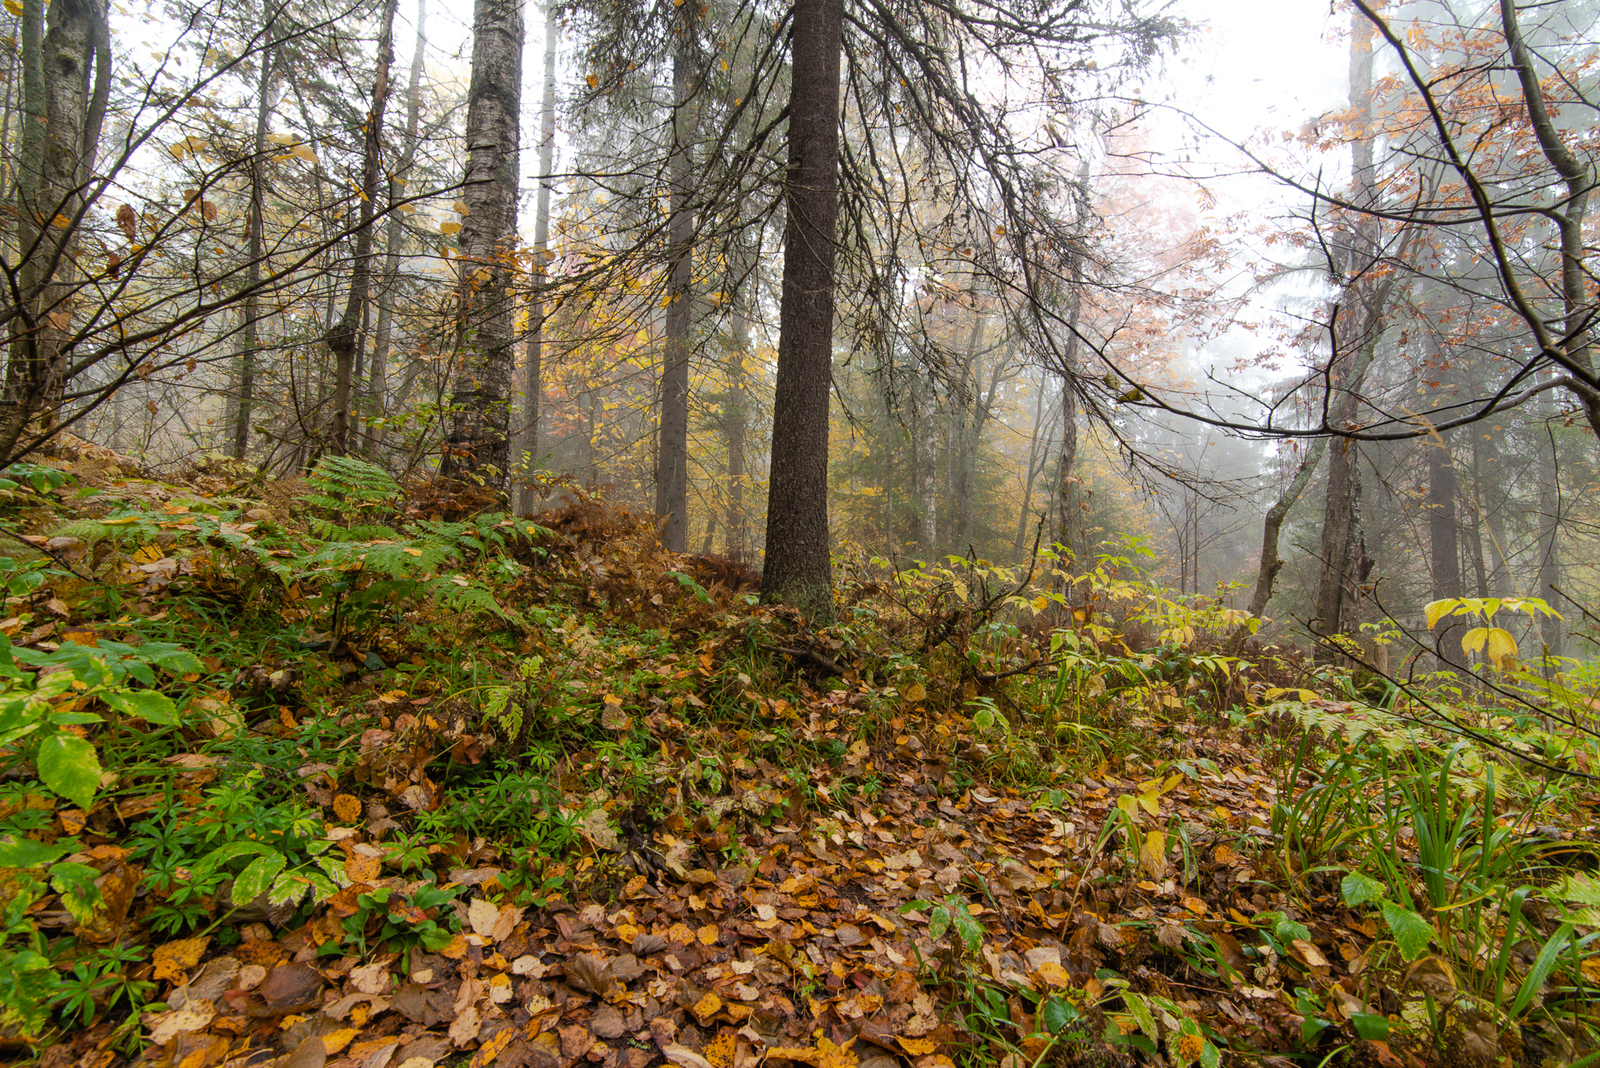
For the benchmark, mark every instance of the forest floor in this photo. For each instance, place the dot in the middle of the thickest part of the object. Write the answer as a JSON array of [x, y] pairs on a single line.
[[328, 775]]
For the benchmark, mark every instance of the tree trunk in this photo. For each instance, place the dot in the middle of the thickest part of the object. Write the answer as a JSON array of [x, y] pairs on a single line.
[[249, 333], [1443, 533], [394, 234], [736, 418], [927, 466], [1270, 564], [1358, 326], [1038, 450], [479, 442], [344, 337], [798, 569], [1578, 175], [533, 382], [672, 443], [1549, 571], [53, 175]]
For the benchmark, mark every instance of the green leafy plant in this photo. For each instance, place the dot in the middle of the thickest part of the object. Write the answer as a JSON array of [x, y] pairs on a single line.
[[402, 919], [39, 710]]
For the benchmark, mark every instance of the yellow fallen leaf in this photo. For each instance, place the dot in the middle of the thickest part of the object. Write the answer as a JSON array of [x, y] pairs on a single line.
[[174, 959], [334, 1041], [491, 1049]]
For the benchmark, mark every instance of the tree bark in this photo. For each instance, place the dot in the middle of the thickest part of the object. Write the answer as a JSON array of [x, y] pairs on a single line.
[[736, 418], [1578, 176], [672, 442], [533, 381], [1358, 326], [927, 466], [344, 337], [1549, 570], [394, 234], [798, 569], [479, 442], [249, 333], [54, 173]]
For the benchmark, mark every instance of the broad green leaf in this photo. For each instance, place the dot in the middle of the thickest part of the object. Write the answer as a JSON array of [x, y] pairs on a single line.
[[148, 705], [231, 850], [1358, 889], [969, 930], [68, 765], [289, 888], [1139, 1009], [1056, 1013], [26, 853], [75, 883], [938, 923], [257, 877], [1411, 932], [322, 888], [1369, 1026]]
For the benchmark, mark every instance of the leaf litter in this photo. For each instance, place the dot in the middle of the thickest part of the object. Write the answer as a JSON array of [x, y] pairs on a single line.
[[715, 907]]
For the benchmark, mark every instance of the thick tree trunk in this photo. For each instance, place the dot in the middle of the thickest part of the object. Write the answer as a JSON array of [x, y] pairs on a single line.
[[1358, 327], [54, 173], [798, 568], [479, 443], [672, 443], [344, 337]]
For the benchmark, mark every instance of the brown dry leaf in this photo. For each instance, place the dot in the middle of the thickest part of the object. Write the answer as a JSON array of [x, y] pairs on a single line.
[[607, 1022], [291, 988], [165, 1026], [373, 978], [173, 960], [589, 972], [309, 1054], [481, 915], [464, 1028], [685, 1057]]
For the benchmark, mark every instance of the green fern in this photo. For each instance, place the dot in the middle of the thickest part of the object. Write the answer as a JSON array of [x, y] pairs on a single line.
[[352, 490]]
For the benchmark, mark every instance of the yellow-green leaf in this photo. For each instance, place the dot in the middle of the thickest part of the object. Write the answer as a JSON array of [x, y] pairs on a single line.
[[1501, 647]]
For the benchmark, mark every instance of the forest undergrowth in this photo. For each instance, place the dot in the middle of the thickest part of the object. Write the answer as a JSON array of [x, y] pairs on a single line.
[[347, 774]]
